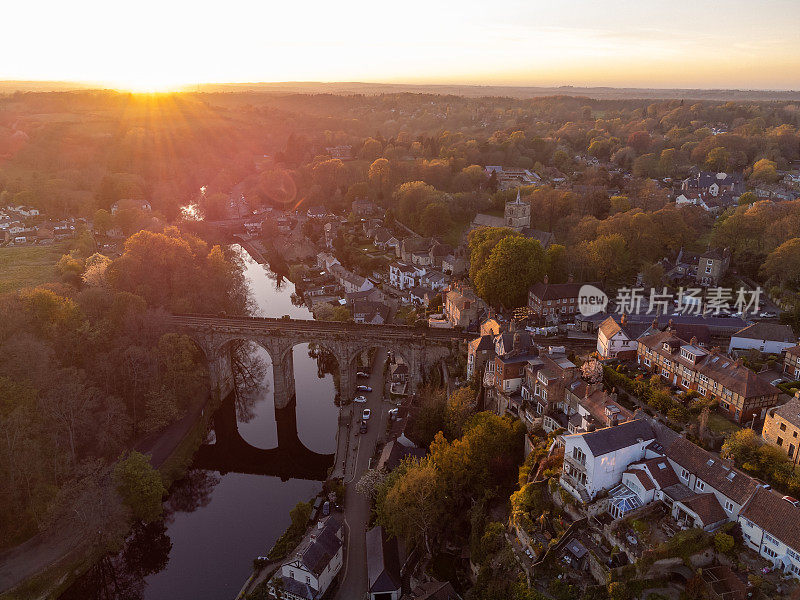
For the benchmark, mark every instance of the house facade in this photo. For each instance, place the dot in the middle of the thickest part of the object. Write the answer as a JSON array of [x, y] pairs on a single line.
[[791, 362], [740, 392], [782, 428], [712, 265], [554, 302], [771, 526], [309, 572], [616, 337], [770, 338]]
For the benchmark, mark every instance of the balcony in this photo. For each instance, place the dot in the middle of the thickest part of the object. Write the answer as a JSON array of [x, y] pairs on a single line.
[[575, 463]]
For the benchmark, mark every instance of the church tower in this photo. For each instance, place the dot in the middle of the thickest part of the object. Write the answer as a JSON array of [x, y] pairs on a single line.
[[518, 214]]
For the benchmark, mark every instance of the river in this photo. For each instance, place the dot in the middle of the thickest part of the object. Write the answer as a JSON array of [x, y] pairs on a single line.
[[217, 524]]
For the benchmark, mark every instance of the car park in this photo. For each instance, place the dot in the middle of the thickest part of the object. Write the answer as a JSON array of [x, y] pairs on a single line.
[[365, 414], [364, 388]]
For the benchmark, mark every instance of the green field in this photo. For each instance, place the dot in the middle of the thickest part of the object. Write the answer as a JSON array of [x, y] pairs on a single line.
[[28, 266]]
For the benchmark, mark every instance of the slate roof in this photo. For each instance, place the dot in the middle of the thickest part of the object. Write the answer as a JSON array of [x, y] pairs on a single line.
[[793, 351], [299, 588], [610, 439], [727, 480], [552, 291], [545, 238], [393, 453], [775, 332], [435, 590], [322, 546], [707, 507], [661, 472], [643, 478], [632, 329], [383, 562], [678, 492], [482, 220], [789, 412], [774, 515]]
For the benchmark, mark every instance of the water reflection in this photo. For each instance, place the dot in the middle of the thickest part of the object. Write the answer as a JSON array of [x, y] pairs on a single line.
[[216, 523]]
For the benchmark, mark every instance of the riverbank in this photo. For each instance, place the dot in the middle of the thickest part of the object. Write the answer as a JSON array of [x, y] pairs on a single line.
[[49, 563]]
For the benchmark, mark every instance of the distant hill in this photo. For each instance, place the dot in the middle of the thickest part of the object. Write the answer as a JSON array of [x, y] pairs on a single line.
[[312, 87]]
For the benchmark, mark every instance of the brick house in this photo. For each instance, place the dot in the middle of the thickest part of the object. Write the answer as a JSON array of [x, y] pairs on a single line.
[[782, 428], [712, 265], [554, 301], [742, 395], [791, 362]]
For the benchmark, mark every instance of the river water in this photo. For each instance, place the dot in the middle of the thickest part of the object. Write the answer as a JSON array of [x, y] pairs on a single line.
[[217, 524]]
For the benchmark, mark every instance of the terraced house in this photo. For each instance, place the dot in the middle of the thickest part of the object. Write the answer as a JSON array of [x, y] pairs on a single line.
[[711, 373], [642, 461]]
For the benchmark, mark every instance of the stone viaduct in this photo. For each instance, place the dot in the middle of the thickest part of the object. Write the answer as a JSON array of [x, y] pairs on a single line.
[[419, 348]]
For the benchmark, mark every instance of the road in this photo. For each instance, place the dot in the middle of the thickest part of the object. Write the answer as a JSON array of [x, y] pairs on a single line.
[[357, 507]]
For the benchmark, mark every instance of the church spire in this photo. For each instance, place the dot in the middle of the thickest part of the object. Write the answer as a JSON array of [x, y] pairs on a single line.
[[518, 198]]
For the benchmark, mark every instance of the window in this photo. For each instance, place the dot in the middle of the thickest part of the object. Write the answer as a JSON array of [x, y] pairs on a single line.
[[684, 474], [700, 485], [770, 539], [779, 441], [647, 361], [769, 552], [308, 579], [708, 268], [701, 390], [291, 574], [664, 373], [783, 426], [728, 505], [793, 554]]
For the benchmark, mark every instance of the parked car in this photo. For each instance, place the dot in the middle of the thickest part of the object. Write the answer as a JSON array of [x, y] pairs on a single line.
[[362, 374], [360, 399], [363, 427], [364, 388], [767, 315], [365, 414], [393, 413]]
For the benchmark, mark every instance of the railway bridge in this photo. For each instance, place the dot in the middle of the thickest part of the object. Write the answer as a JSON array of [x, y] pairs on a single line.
[[419, 348]]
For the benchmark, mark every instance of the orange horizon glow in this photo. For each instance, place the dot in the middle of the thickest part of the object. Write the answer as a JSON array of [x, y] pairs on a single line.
[[166, 46]]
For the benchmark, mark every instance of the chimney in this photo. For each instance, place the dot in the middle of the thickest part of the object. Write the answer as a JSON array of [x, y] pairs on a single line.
[[545, 278], [571, 278], [693, 341], [623, 319]]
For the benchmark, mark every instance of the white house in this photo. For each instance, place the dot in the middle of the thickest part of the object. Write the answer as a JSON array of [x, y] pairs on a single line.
[[308, 573], [616, 337], [771, 527], [403, 276], [434, 280], [326, 260], [596, 460], [770, 338], [349, 280]]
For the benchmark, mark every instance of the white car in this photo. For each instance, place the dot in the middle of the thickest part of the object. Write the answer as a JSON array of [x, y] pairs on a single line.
[[359, 399], [365, 415], [362, 374]]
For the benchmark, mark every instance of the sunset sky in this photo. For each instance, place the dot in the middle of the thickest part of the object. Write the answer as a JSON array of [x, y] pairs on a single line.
[[158, 44]]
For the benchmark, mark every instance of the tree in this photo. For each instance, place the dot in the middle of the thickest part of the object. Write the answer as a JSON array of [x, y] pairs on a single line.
[[741, 446], [95, 272], [639, 141], [140, 486], [747, 199], [558, 264], [411, 506], [371, 149], [619, 204], [782, 265], [718, 159], [723, 542], [435, 219], [379, 176], [765, 170], [514, 264], [102, 221]]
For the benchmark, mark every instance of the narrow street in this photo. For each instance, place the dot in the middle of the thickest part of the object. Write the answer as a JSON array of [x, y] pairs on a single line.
[[357, 507]]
